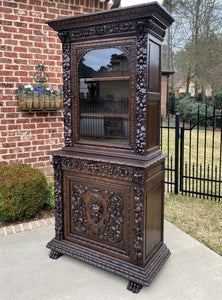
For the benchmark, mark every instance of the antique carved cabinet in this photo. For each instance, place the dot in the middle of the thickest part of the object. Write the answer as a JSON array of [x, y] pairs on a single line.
[[109, 177]]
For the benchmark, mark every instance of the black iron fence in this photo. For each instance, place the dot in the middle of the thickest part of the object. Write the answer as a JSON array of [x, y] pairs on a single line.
[[194, 154]]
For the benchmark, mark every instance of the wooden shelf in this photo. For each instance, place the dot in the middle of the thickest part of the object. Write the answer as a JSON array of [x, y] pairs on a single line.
[[106, 115], [104, 79]]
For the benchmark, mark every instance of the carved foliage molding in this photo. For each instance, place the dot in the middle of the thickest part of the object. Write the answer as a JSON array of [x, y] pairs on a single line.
[[97, 213], [102, 29], [138, 227], [67, 94], [104, 169], [58, 197], [141, 87]]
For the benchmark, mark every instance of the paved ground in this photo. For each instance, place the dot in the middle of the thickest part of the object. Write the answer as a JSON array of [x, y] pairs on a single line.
[[193, 272]]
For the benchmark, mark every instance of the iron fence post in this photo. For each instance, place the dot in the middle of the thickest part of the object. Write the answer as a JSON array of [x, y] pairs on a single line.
[[177, 137]]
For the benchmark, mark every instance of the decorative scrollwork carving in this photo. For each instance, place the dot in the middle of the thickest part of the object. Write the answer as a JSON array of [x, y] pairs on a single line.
[[63, 36], [67, 94], [58, 198], [138, 223], [103, 169], [97, 213], [141, 87], [102, 29]]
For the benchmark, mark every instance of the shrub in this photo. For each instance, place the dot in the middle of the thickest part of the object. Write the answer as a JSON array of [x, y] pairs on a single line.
[[22, 192], [188, 109], [182, 95], [50, 198], [218, 100], [172, 103]]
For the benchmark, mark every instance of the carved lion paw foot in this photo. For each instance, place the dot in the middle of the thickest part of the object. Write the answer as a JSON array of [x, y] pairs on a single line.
[[54, 255], [134, 287]]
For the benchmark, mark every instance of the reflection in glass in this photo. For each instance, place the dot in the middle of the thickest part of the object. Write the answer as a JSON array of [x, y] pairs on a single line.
[[104, 96]]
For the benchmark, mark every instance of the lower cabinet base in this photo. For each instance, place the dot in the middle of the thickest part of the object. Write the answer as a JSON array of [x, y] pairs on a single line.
[[137, 276]]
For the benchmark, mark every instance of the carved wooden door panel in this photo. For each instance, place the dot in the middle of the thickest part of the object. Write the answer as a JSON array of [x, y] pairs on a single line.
[[97, 213]]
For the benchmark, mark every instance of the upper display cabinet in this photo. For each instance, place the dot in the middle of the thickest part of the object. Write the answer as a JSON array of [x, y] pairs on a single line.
[[104, 96], [112, 78]]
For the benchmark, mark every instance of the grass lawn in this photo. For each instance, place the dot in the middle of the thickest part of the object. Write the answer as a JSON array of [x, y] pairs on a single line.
[[211, 141], [197, 217], [202, 159]]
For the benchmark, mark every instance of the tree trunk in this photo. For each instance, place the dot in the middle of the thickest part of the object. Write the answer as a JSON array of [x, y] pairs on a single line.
[[188, 83]]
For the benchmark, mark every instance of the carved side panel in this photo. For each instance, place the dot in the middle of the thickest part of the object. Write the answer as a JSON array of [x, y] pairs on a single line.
[[154, 94], [58, 198]]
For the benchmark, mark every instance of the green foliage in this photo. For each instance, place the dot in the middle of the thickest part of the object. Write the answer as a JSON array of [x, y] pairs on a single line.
[[172, 102], [188, 109], [182, 95], [22, 192], [218, 100], [50, 198]]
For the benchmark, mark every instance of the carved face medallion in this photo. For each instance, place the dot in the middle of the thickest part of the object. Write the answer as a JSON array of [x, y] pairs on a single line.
[[96, 210]]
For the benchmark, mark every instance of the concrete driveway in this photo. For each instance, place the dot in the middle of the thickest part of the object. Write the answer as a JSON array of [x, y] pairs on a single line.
[[193, 272]]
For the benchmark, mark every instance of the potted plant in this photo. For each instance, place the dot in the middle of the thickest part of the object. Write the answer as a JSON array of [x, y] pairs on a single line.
[[39, 97]]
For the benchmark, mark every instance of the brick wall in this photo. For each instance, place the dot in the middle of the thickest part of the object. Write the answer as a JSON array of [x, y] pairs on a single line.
[[25, 40]]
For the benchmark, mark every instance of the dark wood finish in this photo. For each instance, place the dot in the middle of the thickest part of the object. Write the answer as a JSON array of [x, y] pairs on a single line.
[[109, 196], [134, 287]]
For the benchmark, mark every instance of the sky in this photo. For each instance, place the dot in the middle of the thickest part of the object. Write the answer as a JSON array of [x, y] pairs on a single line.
[[135, 2]]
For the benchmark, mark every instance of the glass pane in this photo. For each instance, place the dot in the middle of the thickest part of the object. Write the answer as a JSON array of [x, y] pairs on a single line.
[[104, 96]]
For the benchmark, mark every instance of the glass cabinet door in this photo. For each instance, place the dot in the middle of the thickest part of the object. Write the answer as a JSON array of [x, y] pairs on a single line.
[[104, 96]]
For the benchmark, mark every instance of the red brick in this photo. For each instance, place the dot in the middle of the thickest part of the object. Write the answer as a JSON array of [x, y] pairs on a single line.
[[13, 139], [30, 160], [14, 127], [23, 155], [25, 31], [25, 6], [9, 156], [29, 126], [20, 37], [3, 151], [33, 224], [46, 158], [25, 121], [10, 4], [8, 109], [11, 54], [10, 29], [6, 121], [2, 231], [35, 26], [26, 19], [40, 8], [6, 10], [18, 228], [24, 144], [26, 226], [9, 230]]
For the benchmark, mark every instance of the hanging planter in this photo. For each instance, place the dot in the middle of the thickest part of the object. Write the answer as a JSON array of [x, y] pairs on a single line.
[[39, 96], [31, 98]]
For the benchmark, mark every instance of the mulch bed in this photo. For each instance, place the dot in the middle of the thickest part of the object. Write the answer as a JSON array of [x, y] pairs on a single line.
[[43, 214]]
